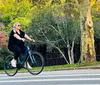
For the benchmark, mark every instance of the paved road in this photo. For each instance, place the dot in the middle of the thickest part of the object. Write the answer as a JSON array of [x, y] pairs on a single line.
[[68, 77]]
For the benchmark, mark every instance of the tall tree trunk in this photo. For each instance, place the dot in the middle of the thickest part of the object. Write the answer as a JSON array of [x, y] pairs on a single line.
[[87, 32]]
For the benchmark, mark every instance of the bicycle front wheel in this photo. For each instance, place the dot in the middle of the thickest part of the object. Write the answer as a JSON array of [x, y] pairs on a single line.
[[35, 63], [8, 68]]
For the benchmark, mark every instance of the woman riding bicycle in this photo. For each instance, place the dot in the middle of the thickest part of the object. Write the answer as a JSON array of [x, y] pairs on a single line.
[[16, 43]]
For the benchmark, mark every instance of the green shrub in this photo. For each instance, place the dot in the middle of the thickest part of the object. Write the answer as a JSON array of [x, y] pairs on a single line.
[[3, 53]]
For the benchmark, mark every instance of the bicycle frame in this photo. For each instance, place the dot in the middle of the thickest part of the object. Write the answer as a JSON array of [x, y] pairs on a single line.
[[30, 55], [34, 59]]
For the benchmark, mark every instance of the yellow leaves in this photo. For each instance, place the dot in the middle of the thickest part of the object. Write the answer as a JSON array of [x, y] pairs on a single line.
[[62, 14], [26, 1], [2, 5], [13, 11], [62, 1], [92, 2], [48, 3], [97, 6]]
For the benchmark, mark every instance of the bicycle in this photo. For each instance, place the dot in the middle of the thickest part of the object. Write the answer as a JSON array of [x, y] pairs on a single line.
[[35, 60]]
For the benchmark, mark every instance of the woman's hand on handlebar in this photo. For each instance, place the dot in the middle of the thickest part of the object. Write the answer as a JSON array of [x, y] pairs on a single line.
[[23, 39], [33, 40]]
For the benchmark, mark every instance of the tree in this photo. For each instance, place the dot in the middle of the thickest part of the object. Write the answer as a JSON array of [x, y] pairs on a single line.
[[56, 29], [15, 11], [87, 31], [96, 19]]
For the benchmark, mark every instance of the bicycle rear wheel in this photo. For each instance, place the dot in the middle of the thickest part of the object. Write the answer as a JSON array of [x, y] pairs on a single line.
[[35, 63], [8, 68]]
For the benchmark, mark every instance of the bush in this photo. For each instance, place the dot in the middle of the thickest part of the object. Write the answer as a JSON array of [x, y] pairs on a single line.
[[55, 30], [3, 53]]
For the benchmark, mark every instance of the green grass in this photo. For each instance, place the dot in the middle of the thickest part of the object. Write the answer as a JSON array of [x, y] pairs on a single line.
[[60, 67], [66, 66]]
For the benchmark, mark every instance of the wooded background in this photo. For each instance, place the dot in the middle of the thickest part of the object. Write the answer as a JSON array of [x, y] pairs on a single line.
[[69, 30]]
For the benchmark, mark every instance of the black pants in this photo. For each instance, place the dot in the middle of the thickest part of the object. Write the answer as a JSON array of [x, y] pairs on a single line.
[[17, 50]]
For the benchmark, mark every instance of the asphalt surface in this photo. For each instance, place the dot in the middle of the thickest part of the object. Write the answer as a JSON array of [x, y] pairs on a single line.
[[65, 77]]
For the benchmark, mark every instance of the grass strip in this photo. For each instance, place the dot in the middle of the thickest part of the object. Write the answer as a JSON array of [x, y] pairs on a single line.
[[59, 67]]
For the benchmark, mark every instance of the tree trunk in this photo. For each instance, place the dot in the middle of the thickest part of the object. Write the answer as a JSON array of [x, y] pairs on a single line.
[[69, 52], [72, 52], [87, 33]]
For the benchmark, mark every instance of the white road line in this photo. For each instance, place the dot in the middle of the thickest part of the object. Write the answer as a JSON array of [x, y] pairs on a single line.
[[49, 76], [76, 84], [51, 80]]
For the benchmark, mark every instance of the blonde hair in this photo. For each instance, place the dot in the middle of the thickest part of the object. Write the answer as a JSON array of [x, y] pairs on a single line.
[[15, 24]]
